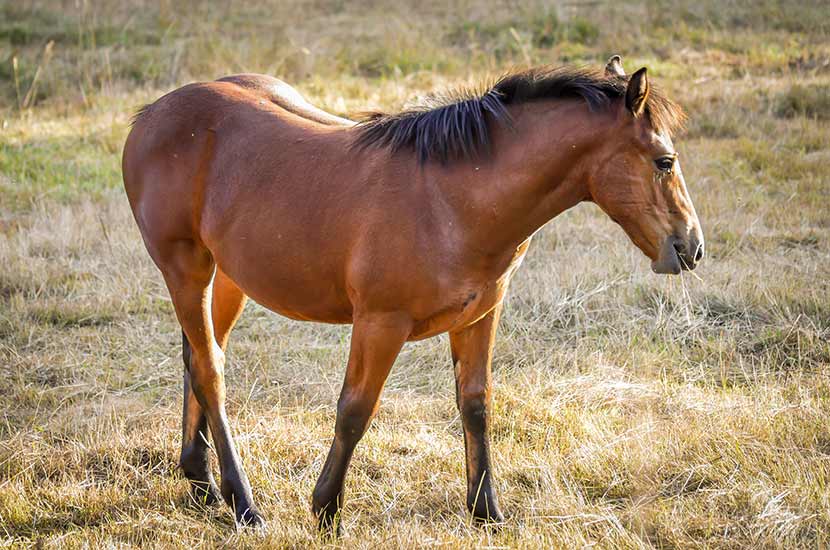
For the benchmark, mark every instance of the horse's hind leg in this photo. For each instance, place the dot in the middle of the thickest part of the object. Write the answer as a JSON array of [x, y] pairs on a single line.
[[194, 458], [188, 270], [227, 304]]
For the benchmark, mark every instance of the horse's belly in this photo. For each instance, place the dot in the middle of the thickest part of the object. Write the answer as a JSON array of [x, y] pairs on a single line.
[[301, 302], [304, 292], [303, 307]]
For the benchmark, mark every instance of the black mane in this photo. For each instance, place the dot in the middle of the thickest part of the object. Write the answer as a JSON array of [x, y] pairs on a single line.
[[455, 125], [140, 112]]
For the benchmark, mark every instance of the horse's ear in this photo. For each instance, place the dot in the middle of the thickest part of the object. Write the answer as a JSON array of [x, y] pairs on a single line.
[[637, 93], [614, 66]]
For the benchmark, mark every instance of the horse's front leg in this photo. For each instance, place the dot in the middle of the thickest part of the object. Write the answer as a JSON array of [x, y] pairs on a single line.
[[472, 352], [376, 341]]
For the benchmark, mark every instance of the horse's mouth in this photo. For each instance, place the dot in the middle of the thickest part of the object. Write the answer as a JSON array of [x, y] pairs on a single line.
[[673, 258], [667, 265]]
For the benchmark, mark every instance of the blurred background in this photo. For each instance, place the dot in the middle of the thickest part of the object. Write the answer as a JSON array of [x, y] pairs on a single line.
[[631, 411]]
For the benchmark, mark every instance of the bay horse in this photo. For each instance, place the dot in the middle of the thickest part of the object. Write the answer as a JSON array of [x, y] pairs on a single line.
[[405, 225]]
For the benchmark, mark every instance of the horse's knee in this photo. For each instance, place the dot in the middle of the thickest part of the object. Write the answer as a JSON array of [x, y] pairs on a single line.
[[474, 409], [353, 416]]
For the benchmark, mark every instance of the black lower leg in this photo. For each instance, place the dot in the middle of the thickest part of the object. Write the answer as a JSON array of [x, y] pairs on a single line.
[[327, 499], [481, 495]]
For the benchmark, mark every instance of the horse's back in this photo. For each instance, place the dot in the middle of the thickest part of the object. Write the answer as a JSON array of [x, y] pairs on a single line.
[[250, 99], [174, 140], [285, 96]]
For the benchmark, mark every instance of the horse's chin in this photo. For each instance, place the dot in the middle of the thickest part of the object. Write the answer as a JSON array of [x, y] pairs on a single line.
[[668, 262]]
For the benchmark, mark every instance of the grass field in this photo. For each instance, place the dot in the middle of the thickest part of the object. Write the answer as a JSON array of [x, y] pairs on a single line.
[[631, 410]]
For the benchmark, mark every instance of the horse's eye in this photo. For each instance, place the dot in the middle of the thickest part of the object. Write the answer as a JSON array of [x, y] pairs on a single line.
[[665, 164]]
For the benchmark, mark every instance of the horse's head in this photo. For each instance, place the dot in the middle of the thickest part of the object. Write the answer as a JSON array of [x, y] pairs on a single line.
[[636, 179]]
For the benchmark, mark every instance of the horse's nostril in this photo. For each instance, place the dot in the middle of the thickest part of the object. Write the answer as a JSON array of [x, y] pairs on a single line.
[[699, 253]]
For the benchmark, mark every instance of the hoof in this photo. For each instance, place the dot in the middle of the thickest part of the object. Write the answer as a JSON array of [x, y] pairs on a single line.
[[495, 520], [205, 492], [329, 524], [486, 513], [251, 519]]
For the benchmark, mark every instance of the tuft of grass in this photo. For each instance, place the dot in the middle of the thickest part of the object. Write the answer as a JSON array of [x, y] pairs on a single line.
[[812, 101]]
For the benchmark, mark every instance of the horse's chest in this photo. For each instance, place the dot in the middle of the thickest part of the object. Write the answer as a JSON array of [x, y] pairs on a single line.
[[469, 300]]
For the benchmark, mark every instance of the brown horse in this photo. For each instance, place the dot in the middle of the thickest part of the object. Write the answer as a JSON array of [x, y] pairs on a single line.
[[406, 225]]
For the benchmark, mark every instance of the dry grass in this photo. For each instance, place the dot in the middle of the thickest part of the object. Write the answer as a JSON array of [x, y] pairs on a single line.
[[632, 411]]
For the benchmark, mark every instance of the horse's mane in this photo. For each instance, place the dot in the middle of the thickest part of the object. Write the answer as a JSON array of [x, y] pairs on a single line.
[[140, 112], [454, 124]]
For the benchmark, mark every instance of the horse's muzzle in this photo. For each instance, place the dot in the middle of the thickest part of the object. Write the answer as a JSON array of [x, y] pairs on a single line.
[[678, 255]]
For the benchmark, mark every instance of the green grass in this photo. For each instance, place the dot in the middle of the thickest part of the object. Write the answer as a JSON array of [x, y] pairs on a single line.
[[812, 101], [631, 411]]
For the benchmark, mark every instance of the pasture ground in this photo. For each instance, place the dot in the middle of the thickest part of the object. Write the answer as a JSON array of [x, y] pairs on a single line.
[[631, 410]]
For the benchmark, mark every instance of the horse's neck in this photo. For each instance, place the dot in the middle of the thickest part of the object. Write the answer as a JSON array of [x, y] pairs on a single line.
[[536, 171]]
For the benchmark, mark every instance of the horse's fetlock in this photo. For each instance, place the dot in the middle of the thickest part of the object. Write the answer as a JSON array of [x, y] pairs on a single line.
[[483, 504], [324, 499], [194, 462]]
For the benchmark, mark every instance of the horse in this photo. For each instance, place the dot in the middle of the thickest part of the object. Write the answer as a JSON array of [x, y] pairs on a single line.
[[406, 225]]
